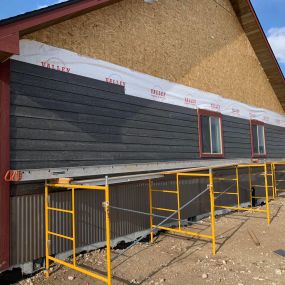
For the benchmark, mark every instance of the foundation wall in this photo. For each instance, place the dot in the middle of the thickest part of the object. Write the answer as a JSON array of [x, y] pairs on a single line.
[[198, 43]]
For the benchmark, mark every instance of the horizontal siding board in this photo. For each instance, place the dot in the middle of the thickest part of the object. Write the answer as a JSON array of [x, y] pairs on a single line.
[[236, 137], [69, 116], [55, 106], [241, 126], [78, 127], [231, 119], [93, 155], [44, 145], [34, 134], [102, 100], [275, 141]]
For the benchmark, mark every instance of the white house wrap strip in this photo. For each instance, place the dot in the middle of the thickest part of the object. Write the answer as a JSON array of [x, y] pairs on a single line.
[[140, 84]]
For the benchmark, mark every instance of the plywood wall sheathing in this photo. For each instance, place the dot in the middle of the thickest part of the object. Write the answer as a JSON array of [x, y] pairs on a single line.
[[199, 43]]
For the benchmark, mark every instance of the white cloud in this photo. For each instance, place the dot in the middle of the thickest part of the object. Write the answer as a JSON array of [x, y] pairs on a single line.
[[276, 38]]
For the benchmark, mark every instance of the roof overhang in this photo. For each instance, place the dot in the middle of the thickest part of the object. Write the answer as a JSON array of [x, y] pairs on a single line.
[[251, 25], [13, 28]]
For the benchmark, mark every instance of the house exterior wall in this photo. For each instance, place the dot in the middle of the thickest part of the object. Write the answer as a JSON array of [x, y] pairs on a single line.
[[60, 119], [198, 43], [63, 120]]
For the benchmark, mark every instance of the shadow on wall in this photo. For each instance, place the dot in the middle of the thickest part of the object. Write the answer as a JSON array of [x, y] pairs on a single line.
[[63, 120]]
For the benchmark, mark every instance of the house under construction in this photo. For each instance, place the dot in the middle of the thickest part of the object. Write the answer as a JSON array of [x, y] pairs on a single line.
[[130, 90]]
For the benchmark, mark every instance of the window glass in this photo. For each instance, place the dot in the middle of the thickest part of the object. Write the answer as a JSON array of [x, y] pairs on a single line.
[[216, 135], [206, 139], [258, 139], [211, 134], [261, 141]]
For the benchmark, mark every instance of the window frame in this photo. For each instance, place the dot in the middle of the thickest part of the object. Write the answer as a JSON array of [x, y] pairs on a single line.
[[257, 123], [202, 112]]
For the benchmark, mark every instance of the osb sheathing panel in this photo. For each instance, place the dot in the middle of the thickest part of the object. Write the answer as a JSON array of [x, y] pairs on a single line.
[[199, 43]]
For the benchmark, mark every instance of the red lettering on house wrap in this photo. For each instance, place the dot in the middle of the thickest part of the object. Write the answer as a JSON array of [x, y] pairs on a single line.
[[55, 66], [115, 81], [190, 101]]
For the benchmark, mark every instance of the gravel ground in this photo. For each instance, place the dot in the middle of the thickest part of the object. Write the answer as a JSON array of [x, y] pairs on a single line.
[[179, 259]]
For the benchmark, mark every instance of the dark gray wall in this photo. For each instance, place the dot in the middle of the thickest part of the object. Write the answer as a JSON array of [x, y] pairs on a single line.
[[275, 141], [236, 137], [60, 119]]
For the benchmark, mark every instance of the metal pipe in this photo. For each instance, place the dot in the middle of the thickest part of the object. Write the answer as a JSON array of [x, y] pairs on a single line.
[[108, 230], [161, 223], [150, 214], [212, 203]]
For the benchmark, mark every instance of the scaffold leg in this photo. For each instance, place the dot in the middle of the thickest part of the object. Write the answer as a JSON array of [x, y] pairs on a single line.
[[266, 193], [108, 230], [150, 209], [212, 202], [46, 231]]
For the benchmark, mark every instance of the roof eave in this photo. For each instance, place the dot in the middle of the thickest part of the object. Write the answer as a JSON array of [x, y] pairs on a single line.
[[252, 27], [10, 32]]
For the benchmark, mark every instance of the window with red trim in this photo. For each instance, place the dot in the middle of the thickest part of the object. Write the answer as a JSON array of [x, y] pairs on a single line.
[[210, 134], [258, 142]]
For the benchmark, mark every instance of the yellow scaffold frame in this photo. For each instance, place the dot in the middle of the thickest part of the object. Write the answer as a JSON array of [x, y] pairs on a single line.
[[206, 172], [107, 279], [176, 192], [276, 179], [265, 186]]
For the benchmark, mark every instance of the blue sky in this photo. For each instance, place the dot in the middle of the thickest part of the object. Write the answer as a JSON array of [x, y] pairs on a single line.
[[271, 14]]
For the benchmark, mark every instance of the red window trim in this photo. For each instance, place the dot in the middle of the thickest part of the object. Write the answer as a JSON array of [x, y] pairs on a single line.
[[210, 114], [257, 123]]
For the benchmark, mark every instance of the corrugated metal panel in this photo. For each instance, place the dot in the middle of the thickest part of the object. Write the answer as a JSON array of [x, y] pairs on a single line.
[[27, 219], [27, 214], [27, 228]]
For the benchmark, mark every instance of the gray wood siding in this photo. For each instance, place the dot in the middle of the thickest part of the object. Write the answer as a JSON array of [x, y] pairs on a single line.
[[275, 141], [60, 119], [237, 142]]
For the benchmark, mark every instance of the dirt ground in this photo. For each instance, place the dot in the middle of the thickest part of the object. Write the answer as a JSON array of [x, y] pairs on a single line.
[[177, 259]]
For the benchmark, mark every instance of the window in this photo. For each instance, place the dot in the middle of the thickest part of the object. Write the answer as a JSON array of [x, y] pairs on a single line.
[[210, 134], [258, 146]]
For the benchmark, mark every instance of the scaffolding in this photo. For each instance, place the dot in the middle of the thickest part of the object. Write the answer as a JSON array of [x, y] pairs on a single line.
[[48, 232], [265, 186], [176, 192], [279, 177], [267, 172]]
